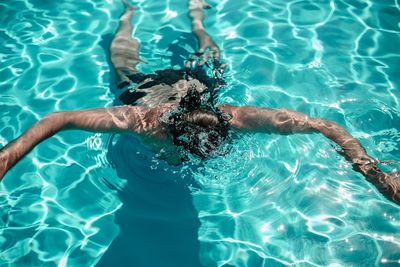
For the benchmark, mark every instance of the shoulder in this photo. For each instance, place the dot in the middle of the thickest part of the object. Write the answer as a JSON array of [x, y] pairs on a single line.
[[143, 120]]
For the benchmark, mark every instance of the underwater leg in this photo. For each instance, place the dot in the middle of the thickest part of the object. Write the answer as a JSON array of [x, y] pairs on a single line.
[[125, 48]]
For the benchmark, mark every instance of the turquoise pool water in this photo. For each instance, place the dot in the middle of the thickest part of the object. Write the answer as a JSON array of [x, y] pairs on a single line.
[[81, 199]]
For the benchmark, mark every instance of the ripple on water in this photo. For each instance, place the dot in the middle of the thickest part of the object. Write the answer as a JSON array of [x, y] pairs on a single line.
[[309, 13], [50, 243], [35, 77], [356, 249], [272, 200]]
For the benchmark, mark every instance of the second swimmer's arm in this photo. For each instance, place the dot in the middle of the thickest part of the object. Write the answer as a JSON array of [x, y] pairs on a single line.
[[115, 120], [284, 121]]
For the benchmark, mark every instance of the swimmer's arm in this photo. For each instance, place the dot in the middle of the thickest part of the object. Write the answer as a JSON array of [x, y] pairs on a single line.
[[283, 121], [112, 120]]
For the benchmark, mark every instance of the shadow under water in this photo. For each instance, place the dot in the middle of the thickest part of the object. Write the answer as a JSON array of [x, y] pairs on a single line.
[[158, 222]]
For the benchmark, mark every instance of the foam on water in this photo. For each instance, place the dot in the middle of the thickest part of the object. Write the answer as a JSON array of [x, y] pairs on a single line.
[[271, 201]]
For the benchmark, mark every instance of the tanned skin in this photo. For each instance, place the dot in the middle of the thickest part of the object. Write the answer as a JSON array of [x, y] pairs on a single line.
[[144, 122]]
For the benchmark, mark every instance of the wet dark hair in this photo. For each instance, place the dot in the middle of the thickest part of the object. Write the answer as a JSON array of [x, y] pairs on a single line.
[[197, 125]]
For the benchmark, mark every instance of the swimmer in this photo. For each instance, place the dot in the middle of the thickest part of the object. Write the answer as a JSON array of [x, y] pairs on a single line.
[[173, 111]]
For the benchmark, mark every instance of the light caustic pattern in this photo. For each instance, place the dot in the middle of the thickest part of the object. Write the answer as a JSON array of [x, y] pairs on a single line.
[[272, 200], [54, 210], [300, 203]]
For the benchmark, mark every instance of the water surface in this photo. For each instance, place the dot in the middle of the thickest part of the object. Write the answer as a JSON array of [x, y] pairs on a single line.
[[79, 199]]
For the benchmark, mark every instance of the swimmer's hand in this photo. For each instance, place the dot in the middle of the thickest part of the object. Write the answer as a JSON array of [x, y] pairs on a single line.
[[284, 121], [386, 183]]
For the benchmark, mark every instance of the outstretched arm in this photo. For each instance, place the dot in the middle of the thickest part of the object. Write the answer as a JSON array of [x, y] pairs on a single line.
[[116, 120], [283, 121]]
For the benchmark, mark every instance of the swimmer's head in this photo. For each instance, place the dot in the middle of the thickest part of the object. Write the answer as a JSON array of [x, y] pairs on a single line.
[[197, 126]]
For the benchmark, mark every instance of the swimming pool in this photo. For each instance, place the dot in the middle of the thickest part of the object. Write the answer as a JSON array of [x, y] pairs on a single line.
[[271, 201]]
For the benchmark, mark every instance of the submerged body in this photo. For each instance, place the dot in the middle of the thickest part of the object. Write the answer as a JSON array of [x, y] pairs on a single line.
[[145, 124], [154, 112]]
